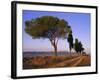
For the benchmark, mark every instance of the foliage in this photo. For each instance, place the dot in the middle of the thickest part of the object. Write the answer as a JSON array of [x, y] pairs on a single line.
[[47, 27]]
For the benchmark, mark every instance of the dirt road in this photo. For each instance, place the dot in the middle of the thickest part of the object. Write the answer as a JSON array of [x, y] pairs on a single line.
[[71, 63]]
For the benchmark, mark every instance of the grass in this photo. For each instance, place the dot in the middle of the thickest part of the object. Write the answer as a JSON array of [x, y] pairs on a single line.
[[56, 61]]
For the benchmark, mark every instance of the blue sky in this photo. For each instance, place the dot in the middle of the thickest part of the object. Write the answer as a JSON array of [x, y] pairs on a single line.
[[79, 22]]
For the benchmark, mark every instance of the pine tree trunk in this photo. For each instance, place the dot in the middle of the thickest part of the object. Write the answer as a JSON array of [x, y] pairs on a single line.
[[55, 50], [54, 44]]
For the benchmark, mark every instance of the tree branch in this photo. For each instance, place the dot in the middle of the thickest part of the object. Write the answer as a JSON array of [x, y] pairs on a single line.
[[51, 41], [57, 41]]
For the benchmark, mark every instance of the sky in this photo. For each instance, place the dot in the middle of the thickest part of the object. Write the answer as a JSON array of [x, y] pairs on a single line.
[[79, 22]]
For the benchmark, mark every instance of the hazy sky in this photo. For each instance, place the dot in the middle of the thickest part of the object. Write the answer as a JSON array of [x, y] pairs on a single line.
[[79, 22]]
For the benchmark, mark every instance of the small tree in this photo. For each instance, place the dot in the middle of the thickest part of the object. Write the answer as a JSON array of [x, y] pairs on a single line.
[[48, 27], [70, 40], [78, 46]]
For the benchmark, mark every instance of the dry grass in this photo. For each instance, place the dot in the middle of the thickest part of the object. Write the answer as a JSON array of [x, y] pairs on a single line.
[[56, 61]]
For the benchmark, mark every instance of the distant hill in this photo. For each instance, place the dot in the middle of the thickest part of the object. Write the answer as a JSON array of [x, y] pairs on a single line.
[[62, 53]]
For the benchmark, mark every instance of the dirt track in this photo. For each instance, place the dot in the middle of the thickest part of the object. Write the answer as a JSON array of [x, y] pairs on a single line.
[[71, 63]]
